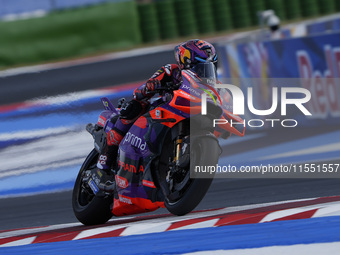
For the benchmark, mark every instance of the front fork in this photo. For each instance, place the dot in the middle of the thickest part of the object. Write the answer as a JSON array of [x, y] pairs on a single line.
[[178, 143], [175, 162]]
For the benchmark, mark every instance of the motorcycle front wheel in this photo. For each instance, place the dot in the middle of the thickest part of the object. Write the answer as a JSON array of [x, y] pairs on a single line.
[[204, 152], [88, 208]]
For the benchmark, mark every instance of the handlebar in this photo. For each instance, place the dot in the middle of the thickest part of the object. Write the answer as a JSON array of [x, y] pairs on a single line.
[[169, 86]]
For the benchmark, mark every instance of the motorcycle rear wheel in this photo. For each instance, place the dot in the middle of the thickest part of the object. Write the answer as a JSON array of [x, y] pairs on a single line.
[[206, 152], [88, 208]]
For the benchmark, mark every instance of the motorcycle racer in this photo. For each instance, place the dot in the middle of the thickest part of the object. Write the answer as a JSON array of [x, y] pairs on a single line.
[[187, 55]]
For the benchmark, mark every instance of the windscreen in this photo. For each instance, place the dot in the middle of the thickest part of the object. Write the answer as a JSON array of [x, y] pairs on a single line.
[[205, 71]]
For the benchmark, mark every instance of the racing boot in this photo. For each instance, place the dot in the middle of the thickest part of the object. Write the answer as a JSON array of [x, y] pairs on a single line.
[[107, 158], [105, 164], [107, 161]]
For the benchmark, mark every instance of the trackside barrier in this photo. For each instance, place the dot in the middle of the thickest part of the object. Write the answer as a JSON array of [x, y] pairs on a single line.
[[185, 16], [204, 16], [148, 22], [309, 8], [241, 13], [153, 20], [191, 17], [166, 19], [292, 9], [326, 6], [277, 6], [311, 62], [222, 15], [329, 25], [254, 7]]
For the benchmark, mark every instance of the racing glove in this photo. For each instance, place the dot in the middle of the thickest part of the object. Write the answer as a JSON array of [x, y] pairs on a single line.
[[152, 85]]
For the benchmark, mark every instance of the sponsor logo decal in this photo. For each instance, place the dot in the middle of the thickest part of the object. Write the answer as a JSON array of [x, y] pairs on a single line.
[[134, 141], [122, 182], [125, 200], [101, 121], [130, 167], [321, 83], [168, 69], [192, 90], [99, 173], [187, 96], [149, 184], [93, 186]]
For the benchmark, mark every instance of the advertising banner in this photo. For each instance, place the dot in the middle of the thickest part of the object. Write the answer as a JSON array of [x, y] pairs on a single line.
[[269, 68]]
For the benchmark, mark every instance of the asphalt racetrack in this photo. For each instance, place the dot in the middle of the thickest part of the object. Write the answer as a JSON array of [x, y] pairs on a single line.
[[86, 74], [55, 207]]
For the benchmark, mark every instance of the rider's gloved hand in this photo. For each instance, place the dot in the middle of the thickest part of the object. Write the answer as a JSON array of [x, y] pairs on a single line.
[[152, 85]]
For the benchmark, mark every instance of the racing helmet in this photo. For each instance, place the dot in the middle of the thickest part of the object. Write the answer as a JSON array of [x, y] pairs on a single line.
[[189, 53]]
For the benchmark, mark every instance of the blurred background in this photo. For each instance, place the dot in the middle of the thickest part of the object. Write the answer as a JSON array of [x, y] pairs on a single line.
[[58, 57], [34, 31]]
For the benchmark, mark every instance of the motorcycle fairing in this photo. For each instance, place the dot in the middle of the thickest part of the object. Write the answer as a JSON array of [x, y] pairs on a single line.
[[109, 112], [108, 105], [132, 196], [140, 146], [103, 117], [133, 205], [143, 143], [193, 85], [151, 143]]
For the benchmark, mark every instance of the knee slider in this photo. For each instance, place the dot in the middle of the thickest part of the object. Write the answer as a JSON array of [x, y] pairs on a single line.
[[114, 138]]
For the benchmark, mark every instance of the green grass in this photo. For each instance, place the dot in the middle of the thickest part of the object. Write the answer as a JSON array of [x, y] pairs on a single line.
[[83, 32], [69, 33]]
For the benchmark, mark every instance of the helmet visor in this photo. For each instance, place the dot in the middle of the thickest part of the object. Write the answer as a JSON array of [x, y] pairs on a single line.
[[205, 71]]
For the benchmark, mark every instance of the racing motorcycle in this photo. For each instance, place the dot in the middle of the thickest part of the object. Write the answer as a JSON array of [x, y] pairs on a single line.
[[157, 157]]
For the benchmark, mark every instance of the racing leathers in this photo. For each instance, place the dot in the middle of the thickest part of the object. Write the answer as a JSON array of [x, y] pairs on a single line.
[[130, 111]]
